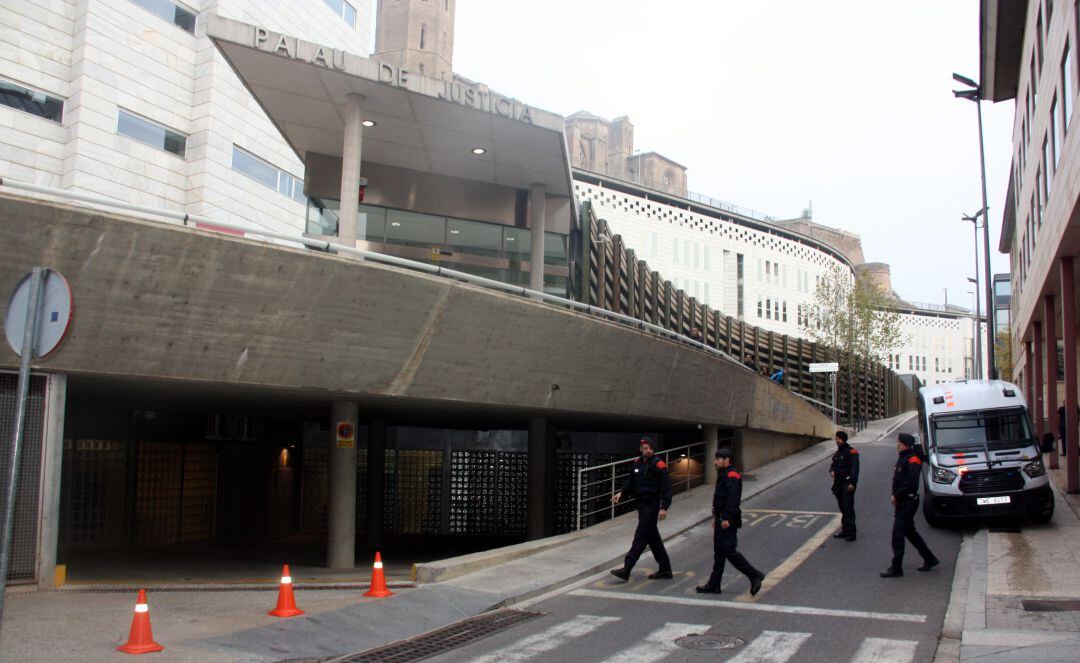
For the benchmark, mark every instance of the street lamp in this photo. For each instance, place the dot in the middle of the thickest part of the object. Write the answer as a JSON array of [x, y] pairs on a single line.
[[977, 373], [975, 94]]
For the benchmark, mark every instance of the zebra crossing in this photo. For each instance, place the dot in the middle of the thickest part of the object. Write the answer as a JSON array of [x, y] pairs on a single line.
[[557, 642]]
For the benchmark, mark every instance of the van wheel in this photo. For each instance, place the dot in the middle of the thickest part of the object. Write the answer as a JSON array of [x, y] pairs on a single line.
[[1043, 517], [931, 519]]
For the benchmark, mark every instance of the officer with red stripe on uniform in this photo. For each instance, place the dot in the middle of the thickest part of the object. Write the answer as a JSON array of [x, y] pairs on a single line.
[[845, 475], [727, 519], [907, 474], [650, 484]]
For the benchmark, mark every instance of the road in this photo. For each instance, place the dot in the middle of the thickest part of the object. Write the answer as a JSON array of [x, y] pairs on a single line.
[[822, 600]]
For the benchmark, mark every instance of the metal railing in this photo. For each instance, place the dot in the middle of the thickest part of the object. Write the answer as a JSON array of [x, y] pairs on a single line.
[[593, 493]]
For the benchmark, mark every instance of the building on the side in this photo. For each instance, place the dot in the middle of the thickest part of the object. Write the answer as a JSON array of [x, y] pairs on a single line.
[[130, 99], [1029, 55]]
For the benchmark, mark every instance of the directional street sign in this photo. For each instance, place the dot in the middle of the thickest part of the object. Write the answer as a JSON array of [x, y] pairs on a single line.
[[829, 367]]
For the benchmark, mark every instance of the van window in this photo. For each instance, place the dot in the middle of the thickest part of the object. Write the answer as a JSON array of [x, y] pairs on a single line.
[[923, 437], [994, 430]]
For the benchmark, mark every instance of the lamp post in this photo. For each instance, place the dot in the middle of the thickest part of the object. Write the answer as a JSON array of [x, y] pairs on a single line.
[[975, 94], [977, 372]]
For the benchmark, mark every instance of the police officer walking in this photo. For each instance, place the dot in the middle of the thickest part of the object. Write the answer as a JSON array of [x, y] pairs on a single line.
[[727, 519], [905, 495], [845, 476], [650, 484]]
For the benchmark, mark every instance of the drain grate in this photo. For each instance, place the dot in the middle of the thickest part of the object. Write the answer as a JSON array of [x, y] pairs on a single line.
[[443, 639], [1052, 606], [710, 642]]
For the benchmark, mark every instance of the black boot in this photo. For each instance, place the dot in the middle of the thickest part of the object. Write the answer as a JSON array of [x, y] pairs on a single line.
[[891, 572], [755, 584], [621, 573], [661, 575], [708, 589], [929, 564]]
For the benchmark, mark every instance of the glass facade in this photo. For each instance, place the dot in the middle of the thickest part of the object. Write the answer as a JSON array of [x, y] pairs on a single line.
[[490, 250]]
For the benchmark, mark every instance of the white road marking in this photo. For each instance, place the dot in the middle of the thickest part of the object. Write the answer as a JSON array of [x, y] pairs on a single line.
[[547, 640], [757, 607], [659, 643], [771, 647], [795, 559], [881, 650]]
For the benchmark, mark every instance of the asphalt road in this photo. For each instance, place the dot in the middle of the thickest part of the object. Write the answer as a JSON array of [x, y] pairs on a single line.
[[822, 601]]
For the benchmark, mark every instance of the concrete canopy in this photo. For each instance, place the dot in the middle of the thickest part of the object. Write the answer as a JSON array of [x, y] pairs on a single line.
[[421, 124]]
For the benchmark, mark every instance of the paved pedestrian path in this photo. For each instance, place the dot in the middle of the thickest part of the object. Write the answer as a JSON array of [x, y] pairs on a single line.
[[1002, 576]]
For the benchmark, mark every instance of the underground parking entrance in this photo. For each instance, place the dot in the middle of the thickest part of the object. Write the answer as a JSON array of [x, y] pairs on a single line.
[[165, 483]]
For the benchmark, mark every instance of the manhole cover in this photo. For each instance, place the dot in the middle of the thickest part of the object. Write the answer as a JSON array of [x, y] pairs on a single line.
[[710, 642]]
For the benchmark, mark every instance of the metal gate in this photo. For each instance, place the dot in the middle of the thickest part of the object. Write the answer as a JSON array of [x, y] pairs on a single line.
[[24, 542]]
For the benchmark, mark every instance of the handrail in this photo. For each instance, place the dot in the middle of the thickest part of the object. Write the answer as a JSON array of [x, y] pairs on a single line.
[[581, 484]]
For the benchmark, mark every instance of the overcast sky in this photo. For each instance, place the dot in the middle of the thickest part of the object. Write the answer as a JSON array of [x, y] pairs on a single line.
[[772, 104]]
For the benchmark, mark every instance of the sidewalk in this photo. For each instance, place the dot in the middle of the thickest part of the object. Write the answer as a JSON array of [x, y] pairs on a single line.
[[1001, 580], [232, 625]]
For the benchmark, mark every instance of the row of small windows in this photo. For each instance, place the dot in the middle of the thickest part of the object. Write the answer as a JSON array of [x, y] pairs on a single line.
[[31, 101], [343, 9], [773, 310], [1060, 115]]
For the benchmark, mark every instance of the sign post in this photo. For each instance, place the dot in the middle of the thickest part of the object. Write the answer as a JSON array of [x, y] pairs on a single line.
[[831, 368], [31, 335]]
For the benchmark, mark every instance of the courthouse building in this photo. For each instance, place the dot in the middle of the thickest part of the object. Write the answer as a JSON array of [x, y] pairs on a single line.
[[1029, 57]]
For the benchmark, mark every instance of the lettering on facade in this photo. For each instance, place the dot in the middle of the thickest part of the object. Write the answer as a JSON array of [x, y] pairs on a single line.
[[458, 92]]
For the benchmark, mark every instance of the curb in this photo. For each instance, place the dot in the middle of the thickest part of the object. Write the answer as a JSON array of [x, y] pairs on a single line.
[[897, 425]]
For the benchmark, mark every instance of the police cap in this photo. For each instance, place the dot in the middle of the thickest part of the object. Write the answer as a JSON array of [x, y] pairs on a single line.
[[906, 439], [724, 453]]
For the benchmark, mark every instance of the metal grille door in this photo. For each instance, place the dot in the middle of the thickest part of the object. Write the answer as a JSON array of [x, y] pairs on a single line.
[[23, 559]]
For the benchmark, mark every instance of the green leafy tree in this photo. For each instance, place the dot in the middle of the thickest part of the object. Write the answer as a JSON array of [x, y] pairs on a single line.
[[855, 319], [1003, 354]]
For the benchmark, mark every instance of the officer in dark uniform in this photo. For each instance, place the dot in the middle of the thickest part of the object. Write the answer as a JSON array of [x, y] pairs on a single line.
[[845, 475], [727, 519], [905, 495], [650, 484]]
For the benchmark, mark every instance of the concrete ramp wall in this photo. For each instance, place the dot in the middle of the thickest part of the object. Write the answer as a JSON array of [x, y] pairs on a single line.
[[164, 302]]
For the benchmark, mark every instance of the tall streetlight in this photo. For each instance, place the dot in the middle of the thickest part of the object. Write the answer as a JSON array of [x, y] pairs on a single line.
[[977, 372], [975, 94]]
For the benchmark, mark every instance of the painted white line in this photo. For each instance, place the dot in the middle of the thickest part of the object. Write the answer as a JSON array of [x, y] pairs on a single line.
[[545, 641], [881, 650], [658, 644], [756, 607], [771, 647], [808, 513], [795, 559]]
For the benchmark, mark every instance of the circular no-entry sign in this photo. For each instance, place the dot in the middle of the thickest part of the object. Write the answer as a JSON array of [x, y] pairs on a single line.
[[54, 313]]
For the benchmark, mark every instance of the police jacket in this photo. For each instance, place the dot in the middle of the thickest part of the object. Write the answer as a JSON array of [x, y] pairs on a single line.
[[905, 481], [649, 479], [728, 496], [845, 464]]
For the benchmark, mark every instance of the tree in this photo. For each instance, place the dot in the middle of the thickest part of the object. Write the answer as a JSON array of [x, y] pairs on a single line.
[[1003, 356], [856, 320]]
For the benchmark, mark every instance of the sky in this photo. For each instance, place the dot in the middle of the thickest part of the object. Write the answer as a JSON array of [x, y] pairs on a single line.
[[777, 105]]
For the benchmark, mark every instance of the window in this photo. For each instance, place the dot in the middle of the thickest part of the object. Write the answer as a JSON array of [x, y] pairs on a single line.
[[171, 12], [910, 366], [261, 171], [30, 101], [343, 9], [1066, 89], [1038, 43], [759, 307], [423, 35], [768, 309], [1046, 168], [785, 311], [151, 133]]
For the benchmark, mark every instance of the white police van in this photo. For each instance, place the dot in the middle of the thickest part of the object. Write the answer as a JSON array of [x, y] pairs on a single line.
[[984, 459]]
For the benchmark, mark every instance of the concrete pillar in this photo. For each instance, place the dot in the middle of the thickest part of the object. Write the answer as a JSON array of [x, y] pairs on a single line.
[[1037, 406], [350, 170], [376, 472], [1068, 335], [341, 495], [1050, 331], [51, 457], [539, 483], [710, 437], [537, 211]]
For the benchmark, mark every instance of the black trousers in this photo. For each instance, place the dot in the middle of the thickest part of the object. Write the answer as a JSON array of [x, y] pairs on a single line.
[[647, 534], [904, 528], [724, 544], [845, 501]]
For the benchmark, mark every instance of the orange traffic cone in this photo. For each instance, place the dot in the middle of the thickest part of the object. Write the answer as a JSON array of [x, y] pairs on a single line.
[[141, 639], [378, 581], [286, 604]]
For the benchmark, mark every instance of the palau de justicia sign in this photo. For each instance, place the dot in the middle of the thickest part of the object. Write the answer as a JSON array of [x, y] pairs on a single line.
[[458, 92]]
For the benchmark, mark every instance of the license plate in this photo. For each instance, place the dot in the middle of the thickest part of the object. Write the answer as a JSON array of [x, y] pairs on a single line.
[[1004, 499]]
